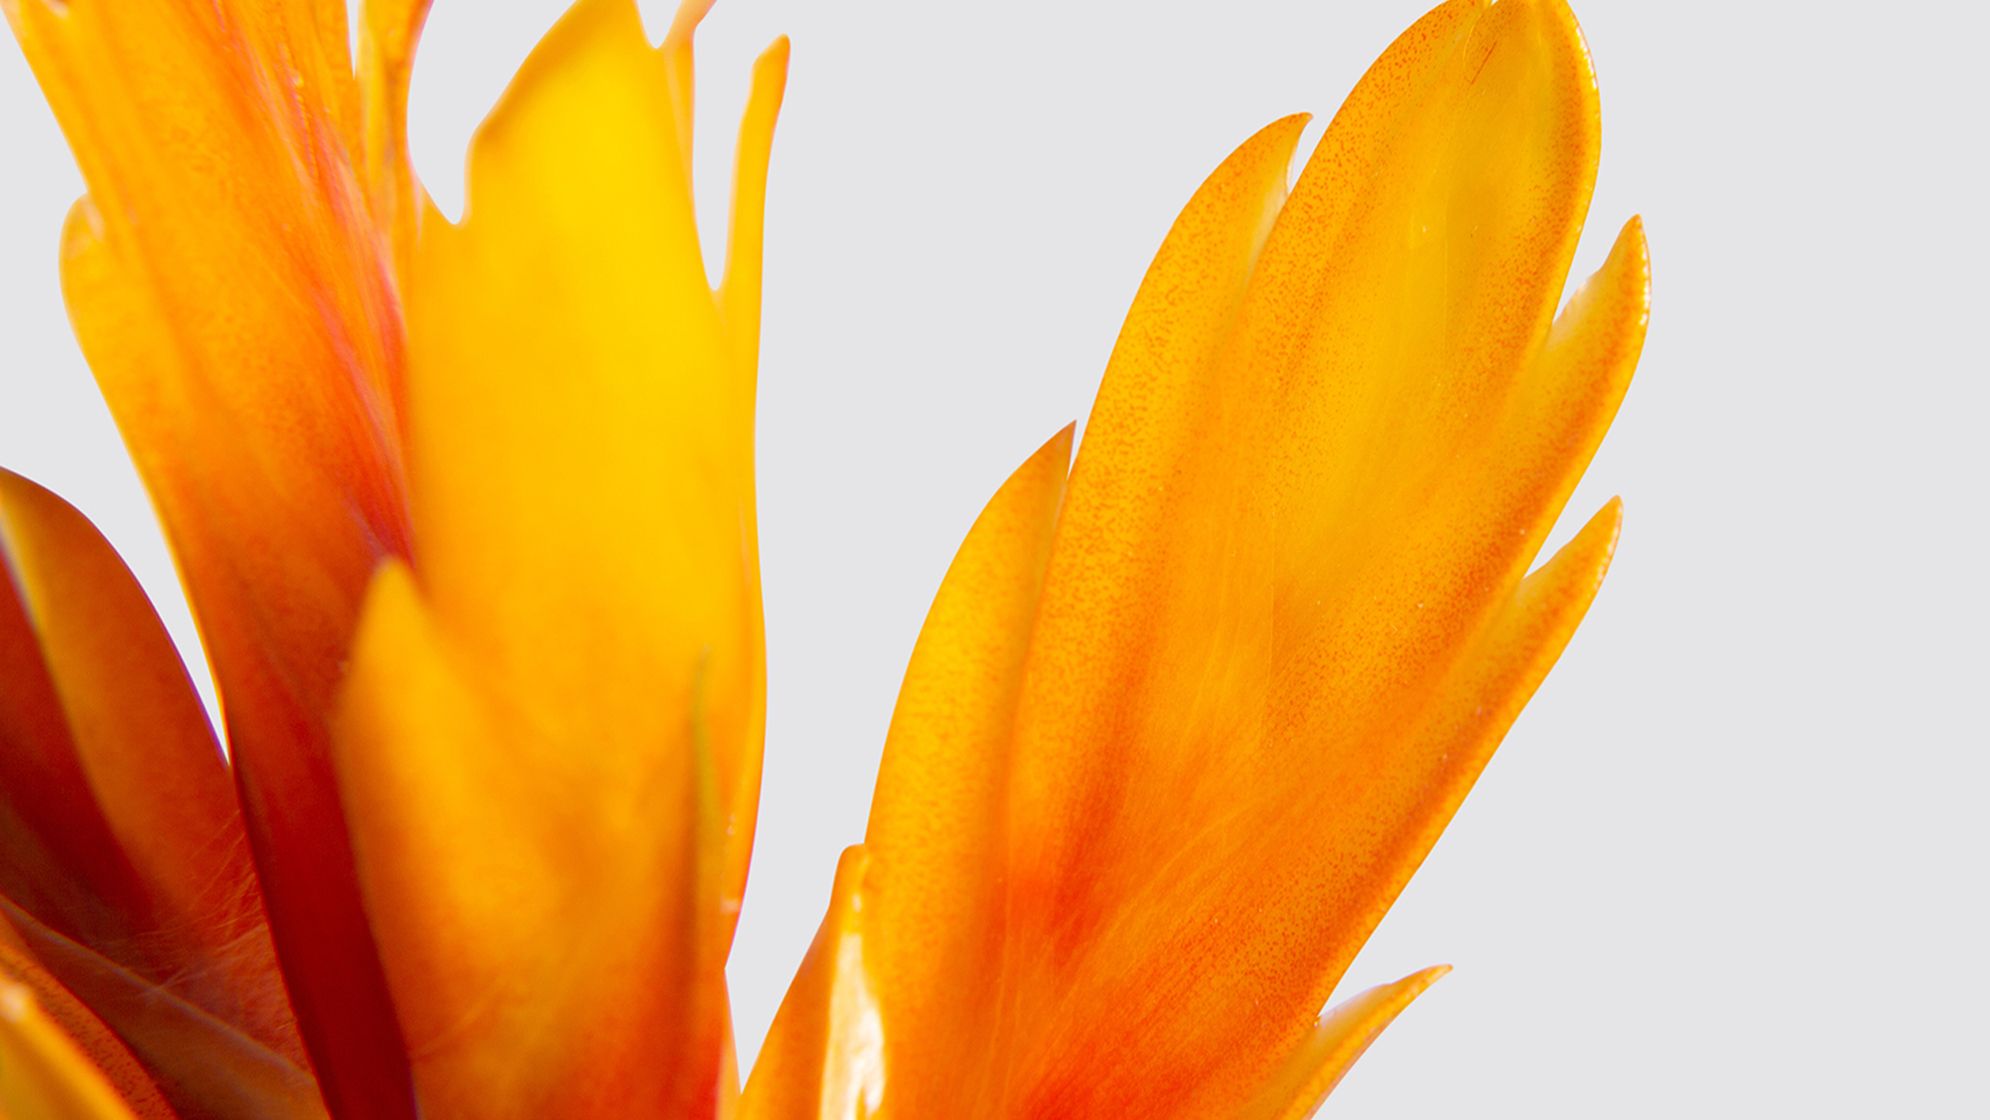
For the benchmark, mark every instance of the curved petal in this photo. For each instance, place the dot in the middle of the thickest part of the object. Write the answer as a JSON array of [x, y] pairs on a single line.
[[739, 313], [935, 831], [1284, 621], [204, 1066], [1332, 1048], [388, 32], [232, 287], [582, 613], [824, 1057], [42, 1073], [93, 1041], [132, 838], [930, 861], [1303, 597]]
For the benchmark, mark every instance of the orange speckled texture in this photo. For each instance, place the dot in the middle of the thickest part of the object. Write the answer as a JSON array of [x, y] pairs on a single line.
[[1285, 616]]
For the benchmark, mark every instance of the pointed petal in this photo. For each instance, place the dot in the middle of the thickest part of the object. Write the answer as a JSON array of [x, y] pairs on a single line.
[[1416, 789], [388, 32], [1341, 1037], [233, 292], [1320, 464], [123, 784], [935, 831], [739, 293], [583, 615], [739, 313], [87, 1033], [824, 1056], [1143, 561], [1159, 400], [1478, 533], [202, 1065], [42, 1073]]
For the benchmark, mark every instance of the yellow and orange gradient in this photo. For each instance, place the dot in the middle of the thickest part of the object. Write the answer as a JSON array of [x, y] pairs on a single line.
[[465, 511]]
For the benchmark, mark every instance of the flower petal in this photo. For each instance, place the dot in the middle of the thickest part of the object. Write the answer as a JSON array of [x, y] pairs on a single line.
[[93, 1041], [204, 1066], [1341, 1037], [1300, 606], [233, 291], [42, 1073], [929, 903], [739, 313], [132, 840], [505, 915], [581, 407], [388, 32], [935, 832], [582, 615], [1284, 608], [1509, 490], [824, 1056]]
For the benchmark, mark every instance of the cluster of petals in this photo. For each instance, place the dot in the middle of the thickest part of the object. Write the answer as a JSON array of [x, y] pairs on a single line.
[[465, 514]]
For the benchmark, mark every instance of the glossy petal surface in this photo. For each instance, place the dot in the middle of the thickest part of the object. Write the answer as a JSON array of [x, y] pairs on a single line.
[[1298, 1090], [824, 1055]]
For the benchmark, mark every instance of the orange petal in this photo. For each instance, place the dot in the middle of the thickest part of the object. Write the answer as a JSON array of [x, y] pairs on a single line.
[[1487, 526], [1413, 791], [388, 32], [42, 1073], [1137, 478], [95, 1043], [233, 290], [1307, 589], [739, 312], [506, 915], [204, 1066], [141, 850], [928, 906], [1342, 1036], [824, 1055], [582, 615], [1283, 622]]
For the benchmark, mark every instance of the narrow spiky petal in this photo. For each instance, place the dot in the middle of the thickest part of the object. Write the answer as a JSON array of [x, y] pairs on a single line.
[[1286, 613], [1298, 1089], [824, 1057], [231, 277]]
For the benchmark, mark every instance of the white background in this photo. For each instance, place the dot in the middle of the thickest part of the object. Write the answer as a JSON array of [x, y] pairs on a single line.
[[1731, 860]]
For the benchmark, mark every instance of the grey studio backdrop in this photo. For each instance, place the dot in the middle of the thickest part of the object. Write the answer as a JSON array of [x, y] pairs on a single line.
[[1730, 861]]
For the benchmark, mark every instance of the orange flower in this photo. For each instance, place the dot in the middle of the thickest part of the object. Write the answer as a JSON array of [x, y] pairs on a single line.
[[465, 512], [1179, 727]]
